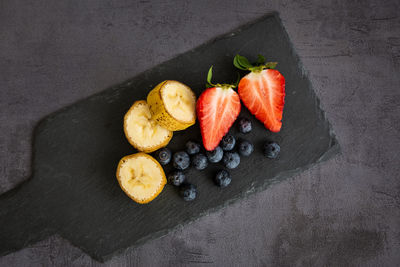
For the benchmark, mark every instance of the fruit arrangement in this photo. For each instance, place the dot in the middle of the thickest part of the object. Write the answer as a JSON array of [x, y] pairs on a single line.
[[172, 106]]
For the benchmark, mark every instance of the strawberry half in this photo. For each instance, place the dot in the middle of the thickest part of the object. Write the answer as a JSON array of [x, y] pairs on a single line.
[[217, 109], [262, 91]]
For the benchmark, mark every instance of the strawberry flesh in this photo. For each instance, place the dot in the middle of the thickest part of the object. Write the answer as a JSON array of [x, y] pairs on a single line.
[[263, 93], [217, 109]]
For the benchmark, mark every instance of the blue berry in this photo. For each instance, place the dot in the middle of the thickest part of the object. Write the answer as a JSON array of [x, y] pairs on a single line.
[[163, 156], [223, 178], [192, 147], [228, 142], [188, 192], [245, 125], [271, 150], [245, 148], [199, 161], [176, 178], [215, 155], [231, 160], [181, 160]]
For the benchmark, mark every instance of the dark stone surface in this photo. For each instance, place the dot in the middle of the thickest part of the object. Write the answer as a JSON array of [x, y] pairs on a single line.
[[77, 149], [342, 212]]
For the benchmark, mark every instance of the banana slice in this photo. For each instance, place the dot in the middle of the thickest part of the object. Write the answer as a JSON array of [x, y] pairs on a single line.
[[141, 177], [142, 131], [173, 105]]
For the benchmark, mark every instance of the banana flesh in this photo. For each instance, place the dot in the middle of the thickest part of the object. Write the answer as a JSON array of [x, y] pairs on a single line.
[[142, 131], [141, 177], [179, 101], [173, 105]]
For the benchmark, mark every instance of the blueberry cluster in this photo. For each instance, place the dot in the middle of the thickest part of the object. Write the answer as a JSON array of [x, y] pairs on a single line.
[[228, 153]]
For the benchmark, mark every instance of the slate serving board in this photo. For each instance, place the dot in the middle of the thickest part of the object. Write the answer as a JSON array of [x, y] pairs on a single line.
[[73, 191]]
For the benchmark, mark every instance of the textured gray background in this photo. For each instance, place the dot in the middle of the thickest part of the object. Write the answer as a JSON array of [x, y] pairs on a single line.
[[342, 212]]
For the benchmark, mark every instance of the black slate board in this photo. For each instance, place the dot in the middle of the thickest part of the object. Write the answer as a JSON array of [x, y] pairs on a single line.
[[73, 191]]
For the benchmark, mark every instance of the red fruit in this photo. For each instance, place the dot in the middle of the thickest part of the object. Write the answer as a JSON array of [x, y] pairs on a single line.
[[217, 109], [263, 93]]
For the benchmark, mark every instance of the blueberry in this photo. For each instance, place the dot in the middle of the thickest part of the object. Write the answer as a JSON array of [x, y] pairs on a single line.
[[228, 142], [199, 161], [163, 156], [192, 147], [245, 148], [245, 125], [271, 150], [188, 191], [181, 160], [176, 178], [215, 155], [231, 160], [223, 178]]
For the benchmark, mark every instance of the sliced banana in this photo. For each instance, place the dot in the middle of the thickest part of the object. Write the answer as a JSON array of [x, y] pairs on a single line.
[[173, 105], [142, 131], [141, 177]]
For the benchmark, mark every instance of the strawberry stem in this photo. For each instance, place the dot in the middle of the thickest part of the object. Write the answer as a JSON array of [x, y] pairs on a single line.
[[222, 85]]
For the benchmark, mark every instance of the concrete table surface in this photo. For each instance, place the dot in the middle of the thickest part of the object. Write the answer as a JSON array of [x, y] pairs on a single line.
[[344, 212]]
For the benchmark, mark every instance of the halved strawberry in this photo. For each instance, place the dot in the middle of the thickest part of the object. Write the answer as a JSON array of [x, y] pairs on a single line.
[[217, 109], [262, 92]]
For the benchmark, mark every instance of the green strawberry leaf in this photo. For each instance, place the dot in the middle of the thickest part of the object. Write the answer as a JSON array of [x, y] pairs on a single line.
[[260, 59], [209, 84], [270, 65], [241, 62], [209, 75], [237, 64]]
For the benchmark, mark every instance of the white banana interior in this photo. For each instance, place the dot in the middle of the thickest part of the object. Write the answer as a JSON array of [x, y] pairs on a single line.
[[142, 130], [140, 177], [179, 101]]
